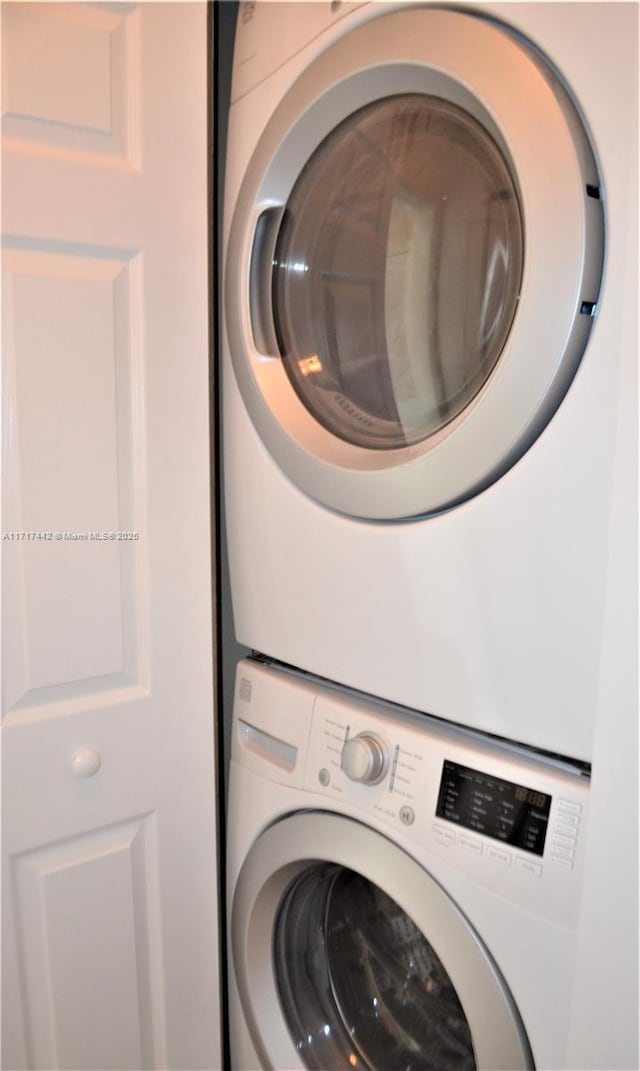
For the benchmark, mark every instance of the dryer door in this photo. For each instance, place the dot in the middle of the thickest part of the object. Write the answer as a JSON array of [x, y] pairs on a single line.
[[413, 264], [347, 954]]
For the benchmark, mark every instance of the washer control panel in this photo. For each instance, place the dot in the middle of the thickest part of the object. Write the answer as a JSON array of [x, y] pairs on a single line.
[[503, 815], [483, 803], [506, 818]]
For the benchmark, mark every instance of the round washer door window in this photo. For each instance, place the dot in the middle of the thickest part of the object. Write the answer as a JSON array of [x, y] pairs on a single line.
[[347, 953], [413, 264], [397, 271], [360, 985]]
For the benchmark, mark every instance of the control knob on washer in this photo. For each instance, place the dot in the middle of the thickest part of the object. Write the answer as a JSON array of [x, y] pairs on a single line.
[[364, 759]]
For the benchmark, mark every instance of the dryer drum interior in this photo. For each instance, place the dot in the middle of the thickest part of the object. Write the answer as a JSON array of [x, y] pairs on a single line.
[[414, 262]]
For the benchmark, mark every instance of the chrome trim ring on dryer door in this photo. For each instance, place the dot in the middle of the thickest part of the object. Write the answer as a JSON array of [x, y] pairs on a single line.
[[491, 74], [296, 845]]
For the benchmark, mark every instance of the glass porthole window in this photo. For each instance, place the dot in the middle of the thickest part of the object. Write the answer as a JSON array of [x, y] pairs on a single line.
[[397, 270], [360, 985]]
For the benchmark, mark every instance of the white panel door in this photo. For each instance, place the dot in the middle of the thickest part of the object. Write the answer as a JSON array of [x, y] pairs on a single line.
[[109, 784]]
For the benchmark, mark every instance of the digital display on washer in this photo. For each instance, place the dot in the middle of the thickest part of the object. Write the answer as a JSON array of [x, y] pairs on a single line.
[[512, 813]]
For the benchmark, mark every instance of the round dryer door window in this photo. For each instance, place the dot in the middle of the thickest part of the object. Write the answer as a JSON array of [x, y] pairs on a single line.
[[414, 263], [397, 271]]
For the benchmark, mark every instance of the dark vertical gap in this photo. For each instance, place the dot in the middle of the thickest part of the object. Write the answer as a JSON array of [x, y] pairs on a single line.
[[222, 15], [213, 223]]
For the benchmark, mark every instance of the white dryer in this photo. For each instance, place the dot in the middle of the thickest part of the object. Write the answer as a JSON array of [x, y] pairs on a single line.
[[428, 293], [402, 894]]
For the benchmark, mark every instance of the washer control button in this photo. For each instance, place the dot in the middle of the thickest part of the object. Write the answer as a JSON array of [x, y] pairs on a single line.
[[529, 867], [407, 816], [444, 835], [499, 855], [364, 759], [562, 853], [565, 842], [562, 862], [472, 844], [324, 777], [569, 807], [568, 819], [565, 831]]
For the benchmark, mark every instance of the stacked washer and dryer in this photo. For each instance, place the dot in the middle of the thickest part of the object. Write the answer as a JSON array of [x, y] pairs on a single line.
[[427, 321]]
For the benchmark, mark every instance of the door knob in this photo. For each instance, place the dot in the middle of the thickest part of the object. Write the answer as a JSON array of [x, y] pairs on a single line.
[[85, 762]]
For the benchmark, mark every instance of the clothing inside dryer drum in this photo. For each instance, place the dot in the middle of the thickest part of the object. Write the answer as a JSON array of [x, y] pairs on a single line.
[[360, 985], [397, 270]]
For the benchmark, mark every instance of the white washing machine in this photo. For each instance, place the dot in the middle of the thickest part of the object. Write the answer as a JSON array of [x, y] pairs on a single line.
[[428, 295], [402, 893]]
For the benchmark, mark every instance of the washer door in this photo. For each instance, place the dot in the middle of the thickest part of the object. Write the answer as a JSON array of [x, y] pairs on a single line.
[[414, 263], [347, 954]]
